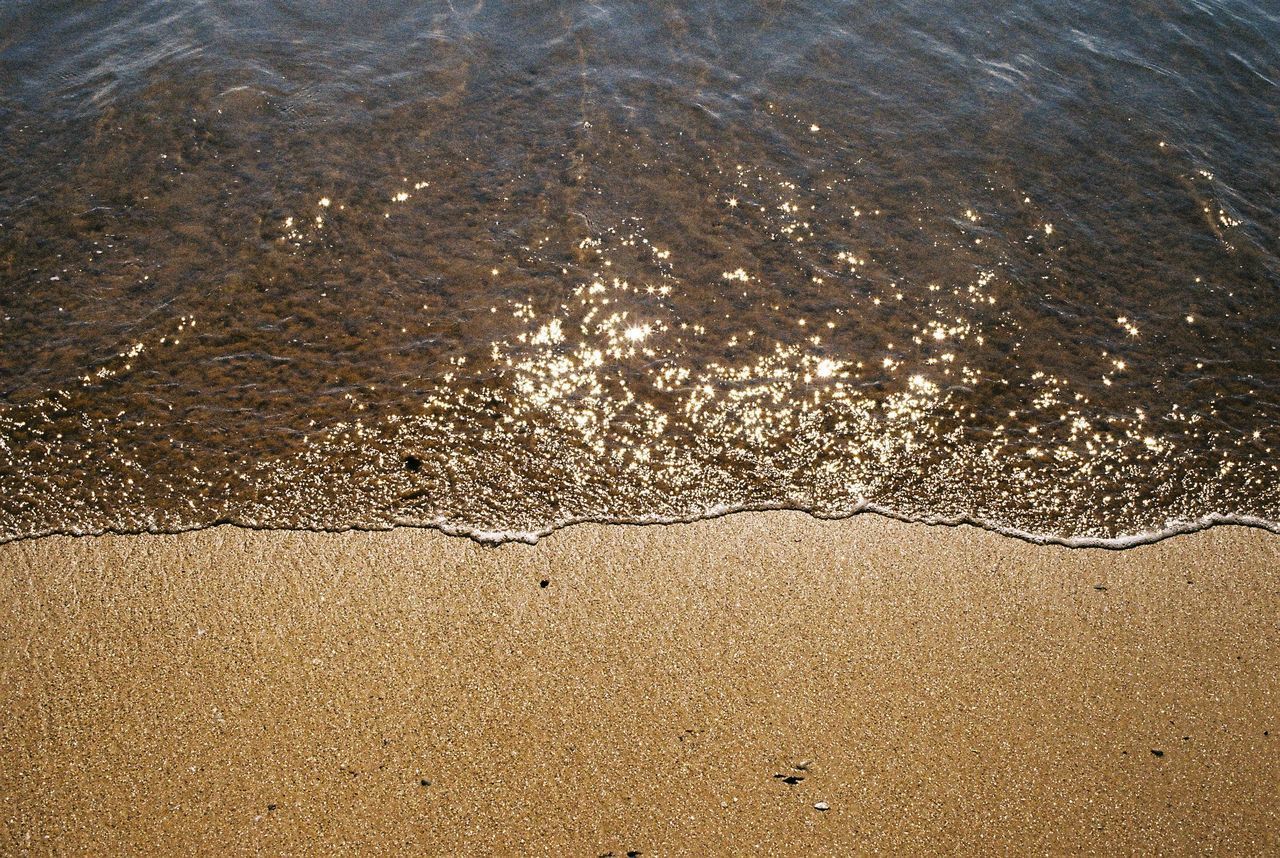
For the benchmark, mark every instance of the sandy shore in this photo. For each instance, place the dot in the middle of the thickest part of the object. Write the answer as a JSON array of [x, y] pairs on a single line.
[[646, 689]]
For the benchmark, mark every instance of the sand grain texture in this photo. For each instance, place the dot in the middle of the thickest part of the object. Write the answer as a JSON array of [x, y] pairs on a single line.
[[939, 688]]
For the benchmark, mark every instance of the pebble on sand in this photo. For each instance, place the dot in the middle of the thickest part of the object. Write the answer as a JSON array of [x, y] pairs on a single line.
[[822, 805]]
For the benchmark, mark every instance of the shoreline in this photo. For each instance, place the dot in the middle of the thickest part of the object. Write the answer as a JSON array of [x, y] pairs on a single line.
[[669, 689], [498, 538]]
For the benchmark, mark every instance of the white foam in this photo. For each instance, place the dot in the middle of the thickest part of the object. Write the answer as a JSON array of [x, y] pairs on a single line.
[[483, 536], [1173, 528]]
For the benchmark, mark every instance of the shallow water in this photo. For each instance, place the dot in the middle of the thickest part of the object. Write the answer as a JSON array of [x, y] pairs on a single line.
[[499, 267]]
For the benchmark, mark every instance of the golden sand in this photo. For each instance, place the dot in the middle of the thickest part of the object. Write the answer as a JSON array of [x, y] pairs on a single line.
[[682, 690]]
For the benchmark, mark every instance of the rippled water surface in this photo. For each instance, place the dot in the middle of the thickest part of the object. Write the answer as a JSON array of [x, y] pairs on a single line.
[[498, 267]]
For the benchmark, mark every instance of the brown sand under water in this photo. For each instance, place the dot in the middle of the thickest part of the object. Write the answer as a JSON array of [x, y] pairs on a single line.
[[640, 689]]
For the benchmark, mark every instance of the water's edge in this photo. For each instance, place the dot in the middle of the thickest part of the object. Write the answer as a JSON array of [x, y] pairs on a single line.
[[497, 539]]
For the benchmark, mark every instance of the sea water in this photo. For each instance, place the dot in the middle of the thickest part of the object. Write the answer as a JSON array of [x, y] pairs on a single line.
[[499, 267]]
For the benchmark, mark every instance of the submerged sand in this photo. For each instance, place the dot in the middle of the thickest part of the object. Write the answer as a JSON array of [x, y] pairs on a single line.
[[692, 689]]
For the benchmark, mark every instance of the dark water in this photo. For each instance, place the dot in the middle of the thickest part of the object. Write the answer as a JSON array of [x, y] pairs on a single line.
[[497, 267]]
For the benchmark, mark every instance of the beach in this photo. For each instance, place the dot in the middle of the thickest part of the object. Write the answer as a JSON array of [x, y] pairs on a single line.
[[746, 685], [639, 429]]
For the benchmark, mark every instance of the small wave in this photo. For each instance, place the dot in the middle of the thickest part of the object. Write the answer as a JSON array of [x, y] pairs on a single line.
[[498, 537]]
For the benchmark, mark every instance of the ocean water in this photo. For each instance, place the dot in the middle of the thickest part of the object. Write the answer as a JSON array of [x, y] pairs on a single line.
[[498, 267]]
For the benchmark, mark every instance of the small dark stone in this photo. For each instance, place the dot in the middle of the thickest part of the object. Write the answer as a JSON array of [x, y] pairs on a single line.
[[271, 807], [424, 782], [544, 583], [1099, 587], [412, 464], [1157, 753], [792, 779], [633, 853]]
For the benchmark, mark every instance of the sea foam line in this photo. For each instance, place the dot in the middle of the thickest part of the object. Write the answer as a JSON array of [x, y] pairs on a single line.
[[531, 537]]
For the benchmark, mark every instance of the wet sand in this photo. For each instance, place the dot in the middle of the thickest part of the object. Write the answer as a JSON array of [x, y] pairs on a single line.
[[694, 689]]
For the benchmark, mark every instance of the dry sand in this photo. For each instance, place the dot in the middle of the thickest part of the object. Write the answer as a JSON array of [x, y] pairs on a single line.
[[936, 688]]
